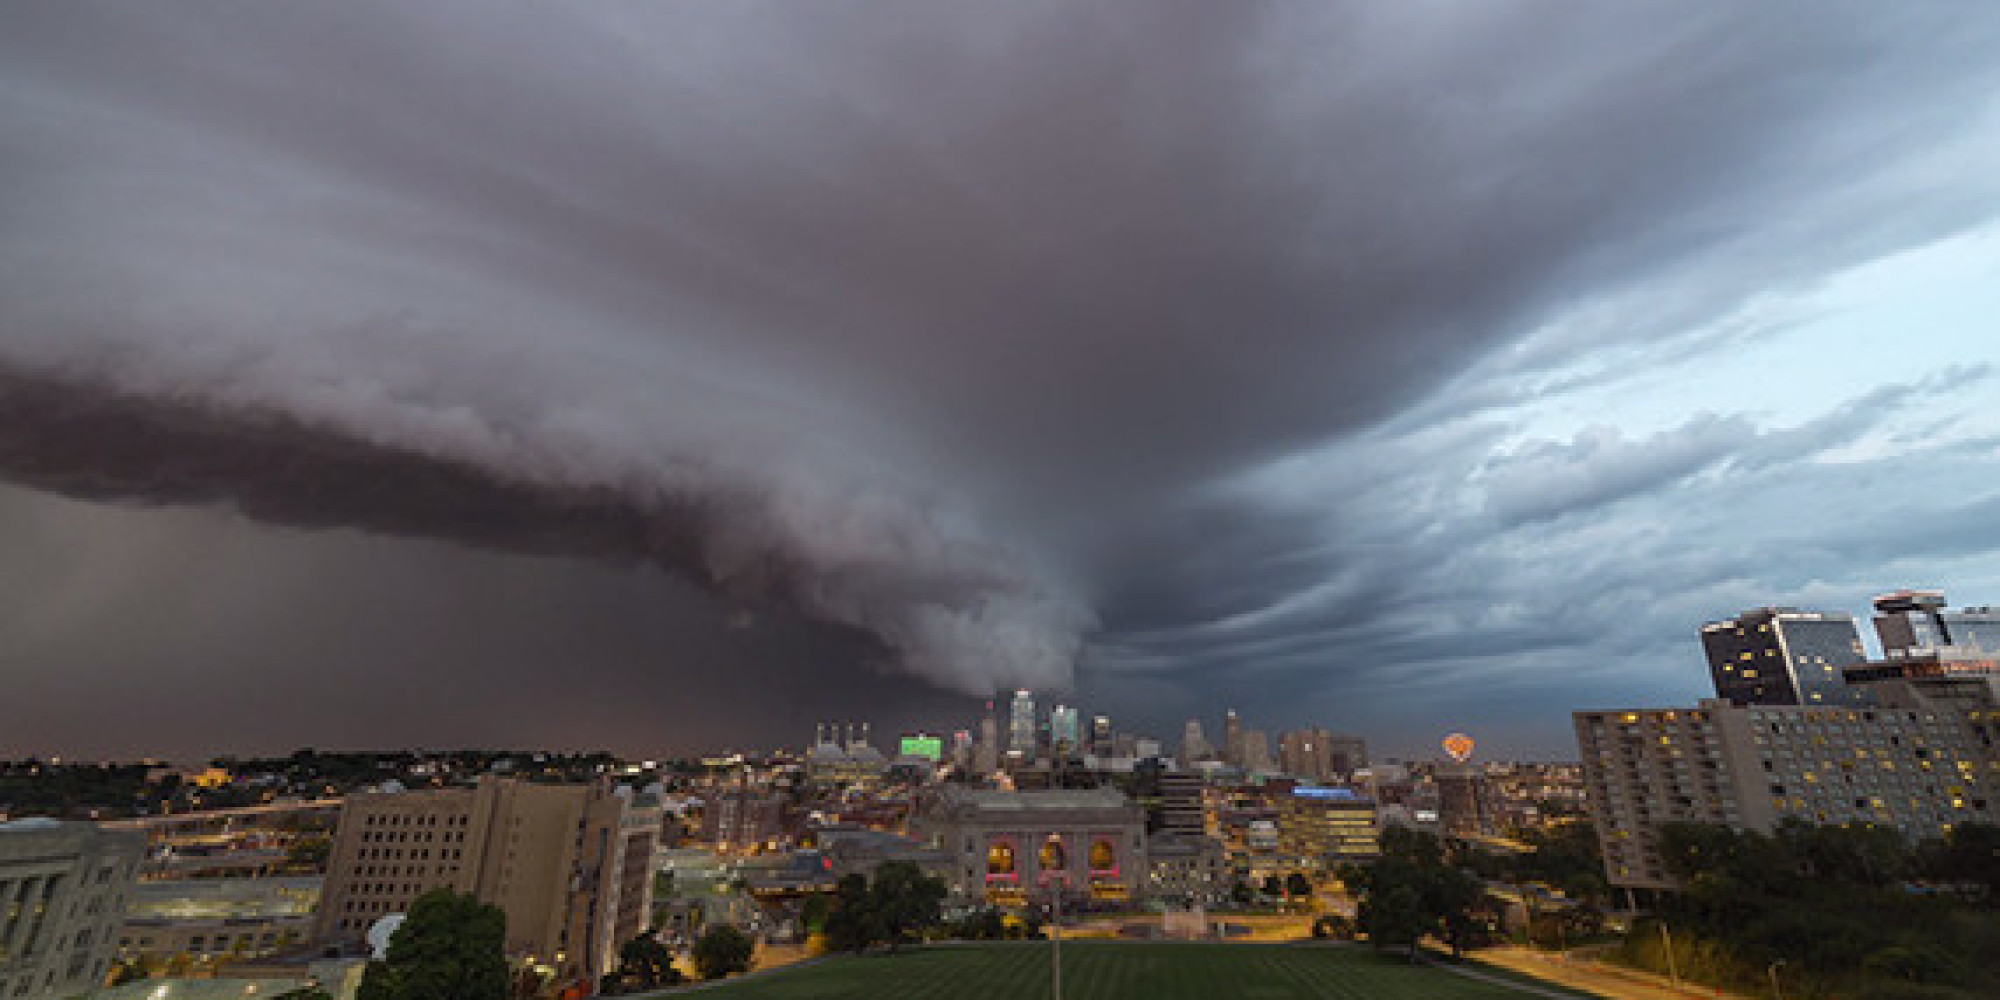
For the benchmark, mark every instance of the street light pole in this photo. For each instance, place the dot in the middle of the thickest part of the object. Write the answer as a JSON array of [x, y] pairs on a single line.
[[1776, 990], [1055, 939], [1672, 973]]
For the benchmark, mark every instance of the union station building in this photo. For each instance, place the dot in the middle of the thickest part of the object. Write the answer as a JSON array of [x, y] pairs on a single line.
[[1014, 848]]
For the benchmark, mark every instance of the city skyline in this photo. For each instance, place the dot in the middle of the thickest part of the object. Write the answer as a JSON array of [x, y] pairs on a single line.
[[652, 380]]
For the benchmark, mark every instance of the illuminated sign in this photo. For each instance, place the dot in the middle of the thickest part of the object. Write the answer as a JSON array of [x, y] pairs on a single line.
[[930, 748], [1459, 746], [1343, 794]]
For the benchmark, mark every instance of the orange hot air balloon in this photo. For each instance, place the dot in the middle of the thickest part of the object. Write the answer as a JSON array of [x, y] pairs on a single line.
[[1459, 746]]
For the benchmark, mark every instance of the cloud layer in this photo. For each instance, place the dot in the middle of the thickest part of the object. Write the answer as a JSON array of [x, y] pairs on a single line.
[[1211, 347]]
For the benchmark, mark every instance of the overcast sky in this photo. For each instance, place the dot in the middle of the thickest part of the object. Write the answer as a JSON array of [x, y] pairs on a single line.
[[661, 377]]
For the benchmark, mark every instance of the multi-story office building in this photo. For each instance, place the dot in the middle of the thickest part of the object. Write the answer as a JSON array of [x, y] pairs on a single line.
[[571, 865], [1194, 745], [1783, 656], [1256, 753], [1232, 739], [63, 891], [1916, 622], [1915, 764], [1465, 801], [1021, 725], [1328, 825], [1318, 755], [1065, 730], [1103, 741]]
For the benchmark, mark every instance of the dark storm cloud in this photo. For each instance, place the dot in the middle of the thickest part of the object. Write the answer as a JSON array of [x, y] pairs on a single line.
[[949, 323]]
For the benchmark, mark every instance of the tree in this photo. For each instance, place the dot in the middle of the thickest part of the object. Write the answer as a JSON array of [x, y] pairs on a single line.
[[309, 852], [304, 993], [1273, 886], [451, 947], [1394, 917], [905, 901], [722, 951], [897, 906], [1297, 885], [852, 924], [646, 964]]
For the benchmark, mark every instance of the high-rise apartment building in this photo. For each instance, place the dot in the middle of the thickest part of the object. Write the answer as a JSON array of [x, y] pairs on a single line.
[[1783, 656], [1915, 764], [63, 890], [1021, 724], [570, 865]]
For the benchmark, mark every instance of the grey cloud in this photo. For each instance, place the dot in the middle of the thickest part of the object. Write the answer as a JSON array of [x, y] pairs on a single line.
[[947, 321]]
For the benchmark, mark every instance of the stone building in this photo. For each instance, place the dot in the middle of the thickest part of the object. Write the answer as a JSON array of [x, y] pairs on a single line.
[[1016, 848], [63, 890]]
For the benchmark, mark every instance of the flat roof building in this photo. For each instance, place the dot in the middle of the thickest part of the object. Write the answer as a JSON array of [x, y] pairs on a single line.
[[63, 890], [570, 865], [1328, 825], [1919, 767]]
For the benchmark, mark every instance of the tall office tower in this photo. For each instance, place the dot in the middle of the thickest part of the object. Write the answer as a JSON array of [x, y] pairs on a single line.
[[1921, 762], [1065, 733], [571, 865], [1021, 724], [1232, 739], [986, 753], [1103, 742], [1256, 754], [1915, 622], [1783, 656], [1194, 746], [1307, 753], [1346, 754], [961, 749], [63, 888]]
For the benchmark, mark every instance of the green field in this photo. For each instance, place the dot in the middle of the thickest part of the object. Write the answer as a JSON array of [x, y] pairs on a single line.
[[1099, 970]]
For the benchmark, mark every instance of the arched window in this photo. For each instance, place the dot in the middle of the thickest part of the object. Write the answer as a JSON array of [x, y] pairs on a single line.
[[1053, 858], [1000, 858], [1103, 857]]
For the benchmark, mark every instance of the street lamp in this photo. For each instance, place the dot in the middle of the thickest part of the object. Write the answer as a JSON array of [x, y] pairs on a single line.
[[1673, 974], [1776, 991]]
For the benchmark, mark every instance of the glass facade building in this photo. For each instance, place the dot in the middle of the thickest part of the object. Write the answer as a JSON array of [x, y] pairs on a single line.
[[1784, 656]]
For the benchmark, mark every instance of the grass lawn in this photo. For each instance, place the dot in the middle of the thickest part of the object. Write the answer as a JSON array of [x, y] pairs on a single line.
[[1105, 970]]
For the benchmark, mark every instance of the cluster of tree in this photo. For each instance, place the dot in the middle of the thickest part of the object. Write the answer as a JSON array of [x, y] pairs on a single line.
[[1411, 892], [1847, 911], [33, 787], [722, 951], [450, 947], [899, 904], [643, 964], [1564, 856]]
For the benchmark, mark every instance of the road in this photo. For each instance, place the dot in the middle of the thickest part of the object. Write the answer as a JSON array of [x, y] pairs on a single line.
[[1596, 977]]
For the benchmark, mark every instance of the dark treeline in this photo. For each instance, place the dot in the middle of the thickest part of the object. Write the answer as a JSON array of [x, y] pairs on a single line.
[[1853, 912]]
